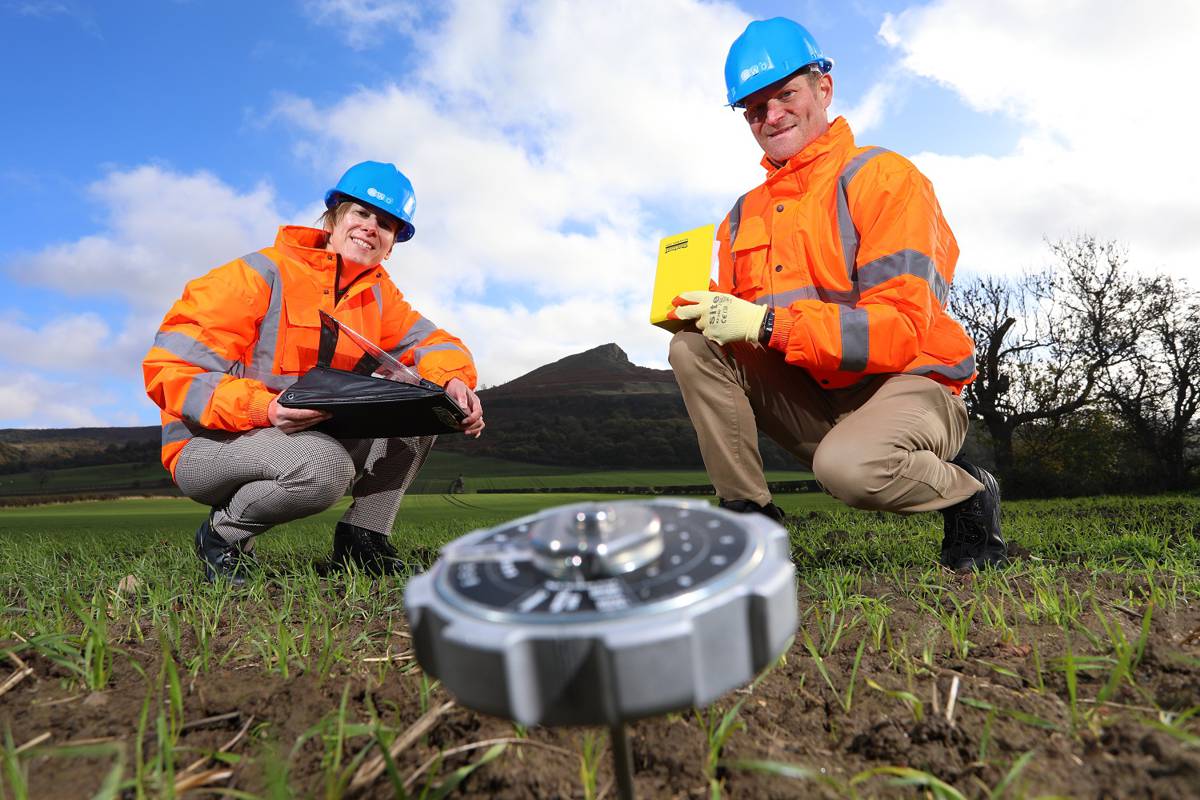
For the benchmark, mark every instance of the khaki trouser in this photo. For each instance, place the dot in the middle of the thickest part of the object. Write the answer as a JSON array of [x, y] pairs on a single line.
[[881, 445]]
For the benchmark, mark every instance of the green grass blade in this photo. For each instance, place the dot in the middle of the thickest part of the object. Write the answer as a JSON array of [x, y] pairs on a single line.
[[462, 773], [785, 770], [1013, 773], [907, 776]]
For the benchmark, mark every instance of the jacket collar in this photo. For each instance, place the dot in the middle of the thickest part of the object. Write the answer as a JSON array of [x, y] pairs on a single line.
[[306, 245], [838, 138]]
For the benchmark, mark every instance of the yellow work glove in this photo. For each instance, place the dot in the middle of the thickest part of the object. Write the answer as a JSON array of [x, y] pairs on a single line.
[[720, 317]]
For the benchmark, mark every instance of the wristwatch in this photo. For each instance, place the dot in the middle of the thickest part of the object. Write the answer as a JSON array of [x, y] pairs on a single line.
[[768, 327]]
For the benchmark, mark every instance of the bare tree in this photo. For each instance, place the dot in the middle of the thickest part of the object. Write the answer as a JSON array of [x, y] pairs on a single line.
[[1044, 340], [1157, 393]]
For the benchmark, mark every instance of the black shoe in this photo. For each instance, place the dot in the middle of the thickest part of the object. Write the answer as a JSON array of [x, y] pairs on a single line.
[[972, 538], [222, 561], [749, 506], [369, 551]]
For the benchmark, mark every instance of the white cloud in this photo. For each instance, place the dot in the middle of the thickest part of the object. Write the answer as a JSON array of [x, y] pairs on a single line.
[[75, 370], [544, 140], [40, 8], [871, 109], [163, 228], [78, 344], [52, 11], [1085, 70], [363, 23], [1098, 89], [30, 400]]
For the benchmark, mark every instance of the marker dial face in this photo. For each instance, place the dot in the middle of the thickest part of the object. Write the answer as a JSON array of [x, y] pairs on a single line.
[[700, 548]]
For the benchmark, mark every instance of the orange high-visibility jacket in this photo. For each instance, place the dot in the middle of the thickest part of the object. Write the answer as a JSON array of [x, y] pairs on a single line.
[[248, 329], [849, 245]]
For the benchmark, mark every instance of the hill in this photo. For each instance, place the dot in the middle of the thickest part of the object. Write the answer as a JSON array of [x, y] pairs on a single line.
[[603, 370], [594, 409], [31, 449]]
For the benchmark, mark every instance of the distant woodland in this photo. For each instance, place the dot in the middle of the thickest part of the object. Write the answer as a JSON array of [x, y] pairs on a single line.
[[1089, 374]]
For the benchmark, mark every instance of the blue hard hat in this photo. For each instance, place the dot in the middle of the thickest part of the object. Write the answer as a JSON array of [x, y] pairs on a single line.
[[381, 186], [769, 50]]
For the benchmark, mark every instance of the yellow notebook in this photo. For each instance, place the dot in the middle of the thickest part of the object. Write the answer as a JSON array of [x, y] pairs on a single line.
[[684, 264]]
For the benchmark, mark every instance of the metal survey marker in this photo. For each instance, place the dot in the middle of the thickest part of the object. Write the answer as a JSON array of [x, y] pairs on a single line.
[[604, 613]]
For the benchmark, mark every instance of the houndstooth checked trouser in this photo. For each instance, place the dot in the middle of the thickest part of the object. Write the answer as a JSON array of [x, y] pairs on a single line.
[[263, 477]]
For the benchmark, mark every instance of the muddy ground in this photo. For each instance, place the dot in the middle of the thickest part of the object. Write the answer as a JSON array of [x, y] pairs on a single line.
[[1002, 711]]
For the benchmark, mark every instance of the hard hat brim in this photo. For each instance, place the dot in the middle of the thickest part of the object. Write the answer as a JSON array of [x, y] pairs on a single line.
[[768, 77], [405, 230]]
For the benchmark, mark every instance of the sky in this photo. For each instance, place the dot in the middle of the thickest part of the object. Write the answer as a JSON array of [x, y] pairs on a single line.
[[551, 145]]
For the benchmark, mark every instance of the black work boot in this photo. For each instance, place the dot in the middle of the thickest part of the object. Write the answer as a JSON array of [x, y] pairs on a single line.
[[971, 538], [749, 506], [222, 561], [369, 551]]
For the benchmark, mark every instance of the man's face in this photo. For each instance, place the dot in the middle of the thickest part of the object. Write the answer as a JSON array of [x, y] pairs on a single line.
[[785, 116]]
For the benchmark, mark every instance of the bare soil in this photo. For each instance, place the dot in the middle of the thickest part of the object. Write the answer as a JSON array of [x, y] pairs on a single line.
[[792, 716]]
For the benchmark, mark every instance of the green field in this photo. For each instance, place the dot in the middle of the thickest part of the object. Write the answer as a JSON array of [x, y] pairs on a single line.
[[492, 473], [1073, 672], [422, 519], [84, 479], [478, 472]]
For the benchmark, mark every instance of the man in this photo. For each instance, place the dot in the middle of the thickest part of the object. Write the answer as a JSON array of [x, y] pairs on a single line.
[[827, 328]]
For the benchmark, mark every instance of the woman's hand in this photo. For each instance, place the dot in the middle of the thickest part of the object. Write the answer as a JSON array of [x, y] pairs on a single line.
[[291, 420], [468, 401]]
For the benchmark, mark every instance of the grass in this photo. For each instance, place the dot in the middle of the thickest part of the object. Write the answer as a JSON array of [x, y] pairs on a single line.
[[77, 479], [1081, 644], [440, 469], [424, 519]]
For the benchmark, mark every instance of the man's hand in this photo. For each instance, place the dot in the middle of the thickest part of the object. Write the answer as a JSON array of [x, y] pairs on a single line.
[[468, 401], [291, 420], [720, 317]]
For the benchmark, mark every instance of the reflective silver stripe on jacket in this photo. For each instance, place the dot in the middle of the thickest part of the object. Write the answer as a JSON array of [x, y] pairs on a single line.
[[276, 383], [199, 393], [175, 432], [856, 332], [263, 355], [191, 350], [202, 386], [419, 332], [735, 220], [846, 229], [955, 372], [905, 262], [777, 299], [195, 352], [421, 352]]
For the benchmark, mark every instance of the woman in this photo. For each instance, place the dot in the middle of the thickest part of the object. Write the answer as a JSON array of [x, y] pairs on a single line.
[[247, 330]]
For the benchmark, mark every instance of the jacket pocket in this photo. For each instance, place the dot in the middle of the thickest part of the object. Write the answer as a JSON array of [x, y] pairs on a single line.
[[301, 338], [749, 252]]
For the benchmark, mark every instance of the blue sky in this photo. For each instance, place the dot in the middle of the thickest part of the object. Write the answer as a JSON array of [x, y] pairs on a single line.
[[550, 144]]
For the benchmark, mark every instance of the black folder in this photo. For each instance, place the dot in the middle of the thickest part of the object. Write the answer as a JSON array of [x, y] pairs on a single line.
[[369, 407]]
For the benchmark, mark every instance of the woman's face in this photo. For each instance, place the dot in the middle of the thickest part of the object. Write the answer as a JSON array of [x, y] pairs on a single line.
[[363, 235]]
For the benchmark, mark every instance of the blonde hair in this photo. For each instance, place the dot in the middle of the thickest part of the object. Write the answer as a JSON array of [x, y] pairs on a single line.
[[333, 216]]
